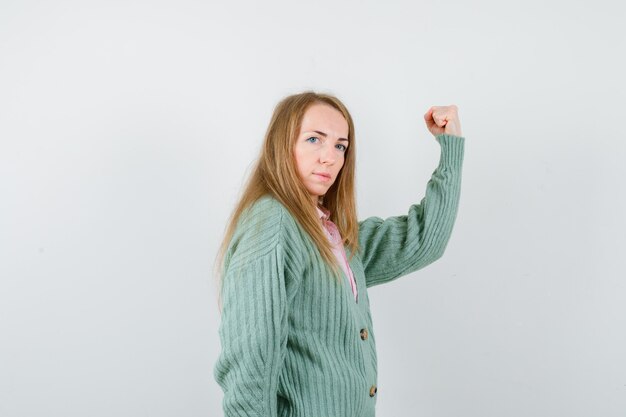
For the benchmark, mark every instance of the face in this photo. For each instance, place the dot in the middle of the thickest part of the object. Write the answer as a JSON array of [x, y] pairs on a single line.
[[320, 148]]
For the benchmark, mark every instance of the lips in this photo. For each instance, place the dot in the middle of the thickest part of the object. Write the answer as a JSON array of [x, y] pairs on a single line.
[[322, 174]]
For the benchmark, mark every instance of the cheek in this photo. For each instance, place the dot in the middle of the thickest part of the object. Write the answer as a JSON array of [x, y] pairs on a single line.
[[341, 163], [301, 162], [297, 157], [303, 157]]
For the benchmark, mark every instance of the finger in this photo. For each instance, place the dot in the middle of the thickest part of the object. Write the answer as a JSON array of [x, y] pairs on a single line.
[[440, 119]]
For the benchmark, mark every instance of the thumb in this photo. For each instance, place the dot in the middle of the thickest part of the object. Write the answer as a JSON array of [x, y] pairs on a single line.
[[428, 117]]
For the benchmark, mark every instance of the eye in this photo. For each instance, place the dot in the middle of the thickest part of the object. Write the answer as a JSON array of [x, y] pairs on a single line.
[[344, 148], [312, 137]]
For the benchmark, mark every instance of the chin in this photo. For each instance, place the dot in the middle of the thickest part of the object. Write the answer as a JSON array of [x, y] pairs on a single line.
[[318, 192]]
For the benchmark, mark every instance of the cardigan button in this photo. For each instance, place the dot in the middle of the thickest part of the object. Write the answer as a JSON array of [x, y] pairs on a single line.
[[364, 334], [373, 390]]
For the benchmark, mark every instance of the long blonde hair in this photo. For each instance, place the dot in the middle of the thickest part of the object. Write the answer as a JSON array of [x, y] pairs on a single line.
[[275, 173]]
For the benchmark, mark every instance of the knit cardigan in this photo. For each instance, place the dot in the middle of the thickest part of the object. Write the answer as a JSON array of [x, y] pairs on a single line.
[[294, 341]]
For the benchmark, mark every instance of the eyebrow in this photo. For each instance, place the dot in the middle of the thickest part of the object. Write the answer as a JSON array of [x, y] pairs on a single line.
[[325, 135]]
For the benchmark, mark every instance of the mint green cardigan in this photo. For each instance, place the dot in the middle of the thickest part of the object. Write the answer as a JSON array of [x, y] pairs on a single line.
[[294, 341]]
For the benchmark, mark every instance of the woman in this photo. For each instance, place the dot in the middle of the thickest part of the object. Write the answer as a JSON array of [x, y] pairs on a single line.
[[295, 264]]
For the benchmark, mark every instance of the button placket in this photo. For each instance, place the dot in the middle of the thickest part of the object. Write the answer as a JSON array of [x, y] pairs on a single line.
[[333, 235], [364, 334]]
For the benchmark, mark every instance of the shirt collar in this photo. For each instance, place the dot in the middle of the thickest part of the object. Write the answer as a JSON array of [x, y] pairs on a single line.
[[323, 212]]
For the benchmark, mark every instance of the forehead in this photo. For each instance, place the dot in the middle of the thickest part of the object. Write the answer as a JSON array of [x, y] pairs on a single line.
[[325, 118]]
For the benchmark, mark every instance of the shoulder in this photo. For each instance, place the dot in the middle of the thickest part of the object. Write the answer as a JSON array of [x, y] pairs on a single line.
[[265, 215], [260, 227], [267, 229], [266, 204]]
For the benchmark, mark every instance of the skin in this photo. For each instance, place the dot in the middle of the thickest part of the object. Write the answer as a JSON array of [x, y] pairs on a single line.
[[443, 119], [316, 153], [324, 152]]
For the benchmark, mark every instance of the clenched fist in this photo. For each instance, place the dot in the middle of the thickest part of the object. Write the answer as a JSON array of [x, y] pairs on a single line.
[[443, 119]]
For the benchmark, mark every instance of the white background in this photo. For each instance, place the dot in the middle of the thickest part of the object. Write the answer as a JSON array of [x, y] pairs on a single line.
[[127, 129]]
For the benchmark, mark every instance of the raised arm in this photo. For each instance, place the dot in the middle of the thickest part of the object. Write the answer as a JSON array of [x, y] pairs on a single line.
[[400, 245]]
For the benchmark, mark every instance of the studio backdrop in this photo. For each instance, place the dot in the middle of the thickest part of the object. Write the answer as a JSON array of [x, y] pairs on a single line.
[[128, 128]]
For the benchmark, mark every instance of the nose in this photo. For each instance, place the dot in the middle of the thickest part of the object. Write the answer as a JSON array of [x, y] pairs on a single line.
[[327, 155]]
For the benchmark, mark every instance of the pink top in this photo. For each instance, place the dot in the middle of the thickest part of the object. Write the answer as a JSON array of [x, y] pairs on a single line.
[[335, 238]]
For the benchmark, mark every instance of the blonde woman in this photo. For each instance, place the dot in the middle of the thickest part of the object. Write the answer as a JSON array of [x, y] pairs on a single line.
[[295, 264]]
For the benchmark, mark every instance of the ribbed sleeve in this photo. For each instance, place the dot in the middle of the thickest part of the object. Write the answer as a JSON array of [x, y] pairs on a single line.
[[400, 245], [253, 329]]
